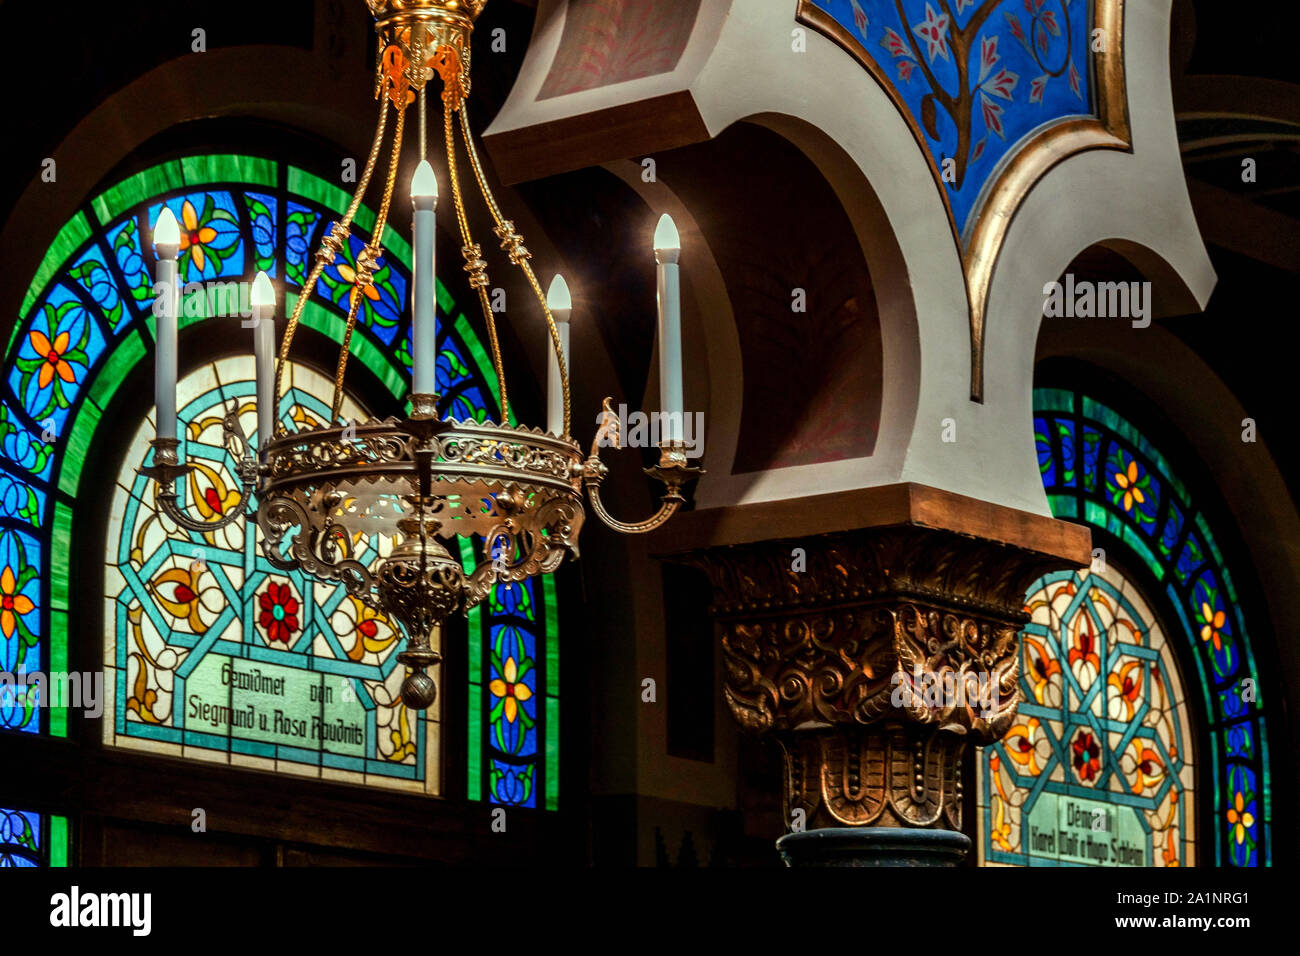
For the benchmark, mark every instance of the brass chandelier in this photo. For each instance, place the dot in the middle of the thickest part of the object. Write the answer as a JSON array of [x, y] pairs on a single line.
[[373, 505]]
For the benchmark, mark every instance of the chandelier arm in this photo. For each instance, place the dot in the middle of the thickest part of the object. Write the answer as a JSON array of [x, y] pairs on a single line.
[[474, 263], [167, 468], [519, 255], [366, 263], [669, 507], [166, 498], [672, 470], [330, 245]]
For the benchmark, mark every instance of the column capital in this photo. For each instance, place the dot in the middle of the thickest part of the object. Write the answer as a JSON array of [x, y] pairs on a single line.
[[874, 655]]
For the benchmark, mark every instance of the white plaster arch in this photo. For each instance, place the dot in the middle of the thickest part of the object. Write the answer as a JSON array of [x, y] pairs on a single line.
[[741, 63]]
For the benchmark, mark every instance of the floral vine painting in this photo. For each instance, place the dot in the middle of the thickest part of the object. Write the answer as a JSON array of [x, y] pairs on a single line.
[[978, 77]]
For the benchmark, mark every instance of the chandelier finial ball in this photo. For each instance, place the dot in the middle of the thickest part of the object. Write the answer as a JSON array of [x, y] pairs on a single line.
[[419, 691]]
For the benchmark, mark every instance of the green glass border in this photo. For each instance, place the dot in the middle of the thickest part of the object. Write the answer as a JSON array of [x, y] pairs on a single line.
[[60, 841], [474, 656], [552, 771], [74, 232]]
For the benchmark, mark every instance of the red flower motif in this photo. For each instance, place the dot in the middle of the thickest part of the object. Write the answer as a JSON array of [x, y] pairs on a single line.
[[1036, 89], [988, 55], [279, 617], [892, 42], [860, 18], [992, 115], [1087, 756], [934, 31], [1002, 84]]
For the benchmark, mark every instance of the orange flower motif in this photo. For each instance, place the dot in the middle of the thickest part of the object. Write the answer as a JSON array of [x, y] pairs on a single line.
[[1213, 621], [348, 274], [1240, 819], [53, 357], [1020, 744], [1128, 484], [194, 236], [1147, 768], [12, 605], [1042, 667], [1127, 686], [183, 600], [513, 692]]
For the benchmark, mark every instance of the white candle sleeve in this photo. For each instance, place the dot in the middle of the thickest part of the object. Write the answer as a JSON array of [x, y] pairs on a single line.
[[554, 386], [667, 246], [424, 316], [670, 352], [264, 356]]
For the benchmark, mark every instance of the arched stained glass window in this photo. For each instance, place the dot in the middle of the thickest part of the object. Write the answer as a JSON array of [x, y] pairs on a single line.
[[1099, 469], [85, 325]]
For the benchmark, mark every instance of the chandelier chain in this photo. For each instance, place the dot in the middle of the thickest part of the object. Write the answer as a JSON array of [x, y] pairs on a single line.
[[366, 263], [510, 238], [343, 228], [474, 264]]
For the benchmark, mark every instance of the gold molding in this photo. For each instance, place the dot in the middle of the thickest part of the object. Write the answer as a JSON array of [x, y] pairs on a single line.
[[1040, 153]]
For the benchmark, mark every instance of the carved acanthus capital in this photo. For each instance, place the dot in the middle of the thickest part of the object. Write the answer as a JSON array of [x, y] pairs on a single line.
[[873, 657]]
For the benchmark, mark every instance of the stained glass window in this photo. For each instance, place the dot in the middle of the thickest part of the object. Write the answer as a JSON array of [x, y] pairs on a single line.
[[85, 325], [1098, 767], [1101, 470], [32, 839]]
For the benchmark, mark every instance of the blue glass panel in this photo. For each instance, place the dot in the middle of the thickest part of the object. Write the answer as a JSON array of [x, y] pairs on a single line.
[[264, 228], [382, 300], [1043, 448], [20, 625], [20, 838], [124, 241], [22, 447], [52, 359], [19, 501], [300, 223], [211, 247], [93, 274]]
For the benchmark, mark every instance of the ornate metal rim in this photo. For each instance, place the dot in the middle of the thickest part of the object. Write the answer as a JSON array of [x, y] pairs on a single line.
[[394, 447]]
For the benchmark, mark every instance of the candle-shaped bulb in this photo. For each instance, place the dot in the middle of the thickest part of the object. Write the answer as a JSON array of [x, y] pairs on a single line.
[[424, 185], [558, 299], [167, 235], [667, 242], [263, 293]]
